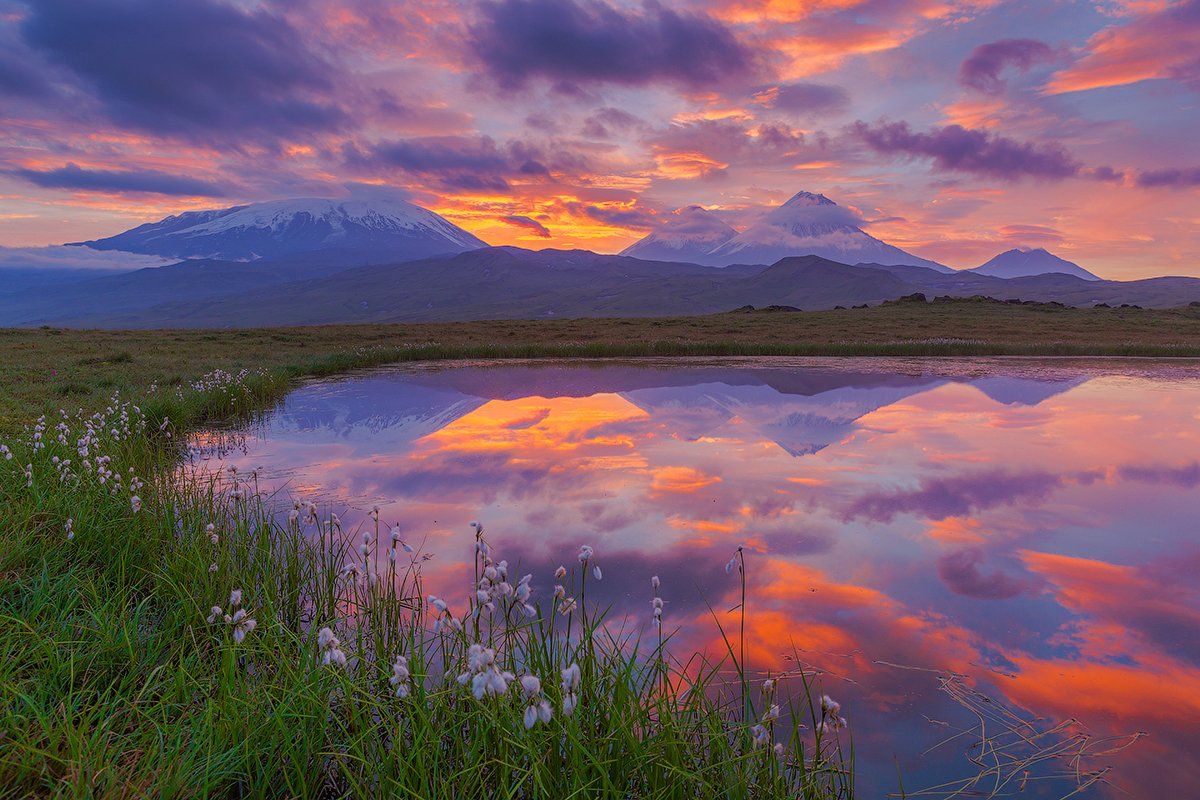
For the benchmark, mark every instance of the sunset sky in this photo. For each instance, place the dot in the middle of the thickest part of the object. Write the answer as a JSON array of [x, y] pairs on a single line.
[[954, 128]]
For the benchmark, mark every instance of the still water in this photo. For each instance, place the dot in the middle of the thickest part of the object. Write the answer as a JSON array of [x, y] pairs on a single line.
[[1001, 550]]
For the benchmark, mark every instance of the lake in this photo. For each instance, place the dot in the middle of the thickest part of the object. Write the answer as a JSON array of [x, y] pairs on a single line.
[[988, 546]]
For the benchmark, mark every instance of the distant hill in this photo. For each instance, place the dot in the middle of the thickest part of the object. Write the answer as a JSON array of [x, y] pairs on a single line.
[[1018, 263], [388, 228], [512, 283]]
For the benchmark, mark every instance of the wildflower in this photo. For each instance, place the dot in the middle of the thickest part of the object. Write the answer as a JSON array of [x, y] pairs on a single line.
[[212, 567], [135, 502], [571, 679], [242, 624], [330, 647], [235, 598], [760, 734], [567, 606], [830, 709], [772, 713], [778, 748], [655, 582], [597, 573], [536, 709], [585, 553], [215, 615], [485, 677], [560, 573], [211, 530], [730, 564], [559, 591], [768, 686], [70, 528], [400, 677]]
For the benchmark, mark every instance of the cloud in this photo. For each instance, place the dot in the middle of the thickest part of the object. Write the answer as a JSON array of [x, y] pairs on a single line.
[[957, 496], [72, 176], [1031, 233], [529, 224], [961, 573], [1175, 178], [606, 122], [192, 68], [574, 42], [1159, 44], [462, 162], [957, 149], [804, 98], [694, 221], [981, 71], [65, 257]]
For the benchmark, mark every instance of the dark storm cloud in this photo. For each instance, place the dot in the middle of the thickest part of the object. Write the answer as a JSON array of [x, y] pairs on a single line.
[[195, 68], [72, 176], [981, 71], [571, 42], [954, 148]]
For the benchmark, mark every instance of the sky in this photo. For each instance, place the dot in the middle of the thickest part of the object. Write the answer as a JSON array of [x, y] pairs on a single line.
[[955, 129]]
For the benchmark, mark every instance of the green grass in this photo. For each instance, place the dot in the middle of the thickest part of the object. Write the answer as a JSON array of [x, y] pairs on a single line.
[[41, 369], [114, 684]]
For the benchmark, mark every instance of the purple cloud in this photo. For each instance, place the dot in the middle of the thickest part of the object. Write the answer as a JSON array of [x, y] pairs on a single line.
[[956, 496], [805, 98], [961, 572], [981, 71], [1176, 178], [193, 68], [958, 149], [151, 181], [529, 224], [465, 162], [572, 42]]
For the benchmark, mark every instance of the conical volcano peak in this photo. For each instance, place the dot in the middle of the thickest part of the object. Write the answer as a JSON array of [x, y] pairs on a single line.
[[803, 198]]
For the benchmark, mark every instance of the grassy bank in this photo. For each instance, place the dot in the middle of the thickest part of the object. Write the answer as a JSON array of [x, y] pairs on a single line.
[[162, 634], [42, 369]]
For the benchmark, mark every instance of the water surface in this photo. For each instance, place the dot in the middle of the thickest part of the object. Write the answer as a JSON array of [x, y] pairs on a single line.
[[1029, 525]]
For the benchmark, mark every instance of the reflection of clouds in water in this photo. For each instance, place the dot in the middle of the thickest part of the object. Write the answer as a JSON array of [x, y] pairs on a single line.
[[1028, 532]]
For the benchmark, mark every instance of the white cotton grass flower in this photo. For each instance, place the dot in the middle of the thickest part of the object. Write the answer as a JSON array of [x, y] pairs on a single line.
[[235, 598], [571, 680], [655, 582], [485, 677], [69, 527], [212, 567], [211, 530], [135, 503], [560, 573], [585, 553], [831, 722], [330, 648], [760, 735], [536, 707], [215, 614], [242, 624], [596, 573], [400, 677]]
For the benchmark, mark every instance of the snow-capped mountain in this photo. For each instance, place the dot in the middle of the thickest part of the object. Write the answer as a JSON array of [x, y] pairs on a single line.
[[386, 226], [689, 234], [807, 224], [1019, 263], [812, 224]]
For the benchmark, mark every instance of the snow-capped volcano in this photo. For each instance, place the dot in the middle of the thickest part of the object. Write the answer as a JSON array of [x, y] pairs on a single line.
[[812, 224], [807, 224], [388, 227], [1019, 263], [689, 234]]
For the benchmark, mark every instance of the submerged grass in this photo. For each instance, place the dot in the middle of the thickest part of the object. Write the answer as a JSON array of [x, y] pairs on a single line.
[[165, 633]]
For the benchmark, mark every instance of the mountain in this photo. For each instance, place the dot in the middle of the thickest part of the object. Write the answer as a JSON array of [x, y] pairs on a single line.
[[1018, 263], [811, 224], [386, 227], [688, 234]]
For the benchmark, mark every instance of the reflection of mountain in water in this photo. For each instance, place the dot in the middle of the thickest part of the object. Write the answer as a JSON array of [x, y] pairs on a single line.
[[802, 409], [384, 410]]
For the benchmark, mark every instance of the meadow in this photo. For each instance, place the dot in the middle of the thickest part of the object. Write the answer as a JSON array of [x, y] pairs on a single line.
[[166, 633]]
